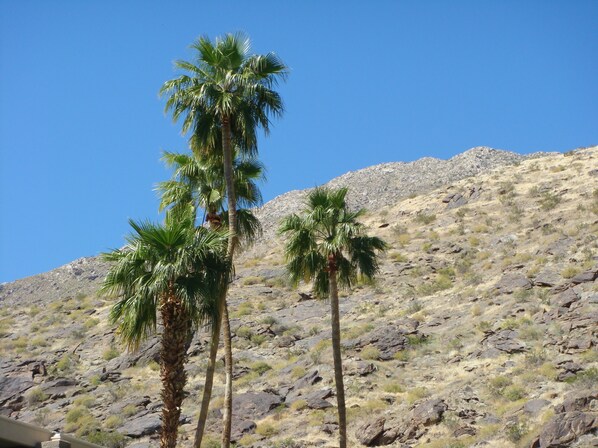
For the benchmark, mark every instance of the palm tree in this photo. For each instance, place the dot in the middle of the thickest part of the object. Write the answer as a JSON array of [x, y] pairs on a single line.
[[328, 246], [197, 182], [226, 95], [177, 270]]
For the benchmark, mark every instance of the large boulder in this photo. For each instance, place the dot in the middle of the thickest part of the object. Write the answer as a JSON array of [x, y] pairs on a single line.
[[145, 425], [370, 432], [504, 340], [511, 282], [576, 416], [429, 412]]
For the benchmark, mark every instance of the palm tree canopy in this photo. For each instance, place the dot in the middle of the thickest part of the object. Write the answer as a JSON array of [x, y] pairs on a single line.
[[197, 182], [226, 82], [328, 232], [174, 258]]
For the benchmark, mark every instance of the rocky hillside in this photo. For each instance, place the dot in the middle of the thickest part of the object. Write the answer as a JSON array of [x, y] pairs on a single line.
[[480, 331]]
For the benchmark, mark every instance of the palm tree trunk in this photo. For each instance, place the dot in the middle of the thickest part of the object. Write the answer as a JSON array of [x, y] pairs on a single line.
[[228, 364], [207, 389], [172, 370], [336, 354], [232, 241]]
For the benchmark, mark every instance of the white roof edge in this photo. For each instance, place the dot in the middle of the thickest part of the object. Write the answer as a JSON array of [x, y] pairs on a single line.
[[28, 434]]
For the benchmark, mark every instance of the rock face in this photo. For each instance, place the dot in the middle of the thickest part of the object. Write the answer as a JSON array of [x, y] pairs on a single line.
[[429, 412], [251, 406], [384, 184], [370, 433], [576, 416], [379, 431], [511, 282], [504, 340]]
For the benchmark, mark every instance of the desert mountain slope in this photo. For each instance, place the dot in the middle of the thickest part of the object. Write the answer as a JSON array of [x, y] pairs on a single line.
[[480, 331], [372, 187]]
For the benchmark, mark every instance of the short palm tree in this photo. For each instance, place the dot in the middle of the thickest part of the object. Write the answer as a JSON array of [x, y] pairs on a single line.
[[328, 246], [224, 97], [172, 273]]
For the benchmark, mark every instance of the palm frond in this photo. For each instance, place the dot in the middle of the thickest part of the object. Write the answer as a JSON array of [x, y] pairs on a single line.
[[328, 230]]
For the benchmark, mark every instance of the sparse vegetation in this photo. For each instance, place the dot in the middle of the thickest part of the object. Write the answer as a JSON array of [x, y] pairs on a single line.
[[425, 218]]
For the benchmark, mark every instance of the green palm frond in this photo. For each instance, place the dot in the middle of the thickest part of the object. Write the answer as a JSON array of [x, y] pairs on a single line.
[[325, 230], [197, 181], [248, 226], [158, 260], [224, 80]]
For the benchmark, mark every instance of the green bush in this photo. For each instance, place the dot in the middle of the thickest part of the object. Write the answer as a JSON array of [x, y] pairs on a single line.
[[499, 383], [516, 431], [549, 201], [252, 280], [266, 429], [244, 332], [108, 439], [35, 395], [110, 353], [260, 367], [114, 421], [75, 414], [84, 400], [370, 353], [423, 218], [513, 392]]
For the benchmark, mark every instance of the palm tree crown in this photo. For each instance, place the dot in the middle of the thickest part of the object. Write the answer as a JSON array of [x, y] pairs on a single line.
[[160, 260], [226, 84], [197, 182], [178, 271], [327, 235]]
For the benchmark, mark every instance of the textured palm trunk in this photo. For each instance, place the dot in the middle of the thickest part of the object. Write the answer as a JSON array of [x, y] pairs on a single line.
[[336, 354], [222, 322], [207, 389], [172, 370], [232, 242]]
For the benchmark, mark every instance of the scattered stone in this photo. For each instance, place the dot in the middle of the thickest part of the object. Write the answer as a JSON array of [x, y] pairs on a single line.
[[454, 200], [58, 388], [145, 425], [369, 433], [568, 370], [429, 412], [361, 368], [12, 390], [317, 399], [511, 282], [533, 407], [560, 247], [576, 416], [505, 341], [240, 427], [308, 380], [254, 404], [547, 277], [584, 277], [285, 341], [329, 428], [566, 298], [389, 340], [464, 431]]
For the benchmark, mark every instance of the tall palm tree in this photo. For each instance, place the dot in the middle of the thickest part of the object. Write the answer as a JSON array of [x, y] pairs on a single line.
[[328, 246], [174, 270], [225, 96]]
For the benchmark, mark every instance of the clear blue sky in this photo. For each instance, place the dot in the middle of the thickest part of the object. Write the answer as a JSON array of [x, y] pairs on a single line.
[[82, 127]]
